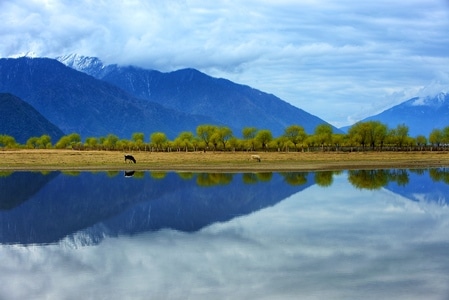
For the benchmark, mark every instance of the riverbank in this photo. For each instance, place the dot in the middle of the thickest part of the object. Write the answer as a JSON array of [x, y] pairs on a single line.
[[52, 159]]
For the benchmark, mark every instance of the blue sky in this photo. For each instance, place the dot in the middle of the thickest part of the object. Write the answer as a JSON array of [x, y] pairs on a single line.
[[340, 60]]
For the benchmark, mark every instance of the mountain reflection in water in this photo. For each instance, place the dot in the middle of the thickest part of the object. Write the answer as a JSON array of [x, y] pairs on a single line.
[[110, 204], [43, 208]]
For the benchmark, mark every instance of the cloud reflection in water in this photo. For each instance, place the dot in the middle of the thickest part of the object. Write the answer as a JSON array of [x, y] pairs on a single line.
[[336, 242]]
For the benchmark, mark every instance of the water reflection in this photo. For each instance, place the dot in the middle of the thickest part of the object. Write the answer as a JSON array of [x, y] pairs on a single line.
[[239, 236], [47, 207], [110, 204], [18, 187], [375, 179]]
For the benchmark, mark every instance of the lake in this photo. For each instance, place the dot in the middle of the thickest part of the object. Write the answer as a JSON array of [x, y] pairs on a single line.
[[362, 234]]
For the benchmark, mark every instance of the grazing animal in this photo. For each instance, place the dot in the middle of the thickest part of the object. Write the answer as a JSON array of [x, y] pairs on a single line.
[[129, 173], [256, 157], [130, 157]]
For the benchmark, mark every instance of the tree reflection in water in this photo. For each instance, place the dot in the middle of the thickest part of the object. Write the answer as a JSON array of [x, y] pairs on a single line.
[[376, 179], [325, 178], [158, 174], [212, 179], [294, 178], [251, 178], [441, 174]]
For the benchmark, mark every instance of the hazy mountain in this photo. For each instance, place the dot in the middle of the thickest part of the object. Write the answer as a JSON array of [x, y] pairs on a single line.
[[193, 92], [77, 102], [420, 114], [22, 121]]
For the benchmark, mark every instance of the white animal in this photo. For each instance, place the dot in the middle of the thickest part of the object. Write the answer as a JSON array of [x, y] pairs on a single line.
[[256, 157]]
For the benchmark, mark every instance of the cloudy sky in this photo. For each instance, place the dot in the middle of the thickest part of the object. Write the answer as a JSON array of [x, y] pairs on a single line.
[[341, 60]]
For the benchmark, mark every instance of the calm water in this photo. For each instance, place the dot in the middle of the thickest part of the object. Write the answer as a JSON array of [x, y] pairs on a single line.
[[375, 234]]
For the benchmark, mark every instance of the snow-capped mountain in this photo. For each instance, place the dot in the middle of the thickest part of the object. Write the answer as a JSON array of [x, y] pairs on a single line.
[[193, 92], [85, 64], [420, 114], [436, 101]]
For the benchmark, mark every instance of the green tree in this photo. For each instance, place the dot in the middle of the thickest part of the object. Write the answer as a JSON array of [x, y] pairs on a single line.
[[91, 142], [184, 140], [205, 133], [138, 139], [359, 133], [32, 143], [249, 135], [323, 135], [310, 142], [435, 137], [402, 134], [338, 140], [378, 134], [264, 137], [124, 144], [370, 133], [295, 134], [236, 143], [215, 139], [223, 134], [8, 141], [281, 142], [399, 135], [110, 142], [158, 139], [68, 141], [44, 141], [421, 141], [445, 135]]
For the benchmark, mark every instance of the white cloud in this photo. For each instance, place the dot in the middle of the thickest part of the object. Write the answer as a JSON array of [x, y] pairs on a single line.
[[339, 60]]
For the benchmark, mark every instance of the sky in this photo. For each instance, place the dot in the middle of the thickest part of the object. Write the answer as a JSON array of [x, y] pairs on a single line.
[[341, 60]]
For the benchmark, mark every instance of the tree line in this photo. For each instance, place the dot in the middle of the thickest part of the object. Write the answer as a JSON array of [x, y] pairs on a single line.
[[362, 136]]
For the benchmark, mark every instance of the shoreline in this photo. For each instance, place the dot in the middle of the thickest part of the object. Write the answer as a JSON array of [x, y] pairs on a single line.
[[100, 160]]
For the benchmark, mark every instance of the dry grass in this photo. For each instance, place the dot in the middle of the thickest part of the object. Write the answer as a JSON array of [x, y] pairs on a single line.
[[216, 161]]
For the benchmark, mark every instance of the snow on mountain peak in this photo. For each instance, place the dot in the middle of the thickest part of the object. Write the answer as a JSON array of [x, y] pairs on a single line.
[[80, 62], [432, 101]]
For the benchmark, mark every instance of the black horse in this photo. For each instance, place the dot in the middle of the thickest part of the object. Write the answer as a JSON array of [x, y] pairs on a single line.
[[130, 157], [129, 173]]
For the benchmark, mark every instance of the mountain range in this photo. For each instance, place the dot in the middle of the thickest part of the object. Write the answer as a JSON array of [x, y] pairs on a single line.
[[420, 114], [77, 102], [101, 100], [80, 94], [193, 92]]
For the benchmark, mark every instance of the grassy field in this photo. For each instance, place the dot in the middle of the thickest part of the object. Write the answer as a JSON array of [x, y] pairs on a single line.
[[216, 161]]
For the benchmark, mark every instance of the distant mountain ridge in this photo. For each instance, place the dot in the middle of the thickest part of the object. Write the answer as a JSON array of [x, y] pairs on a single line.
[[193, 92], [77, 102], [420, 114], [21, 121]]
